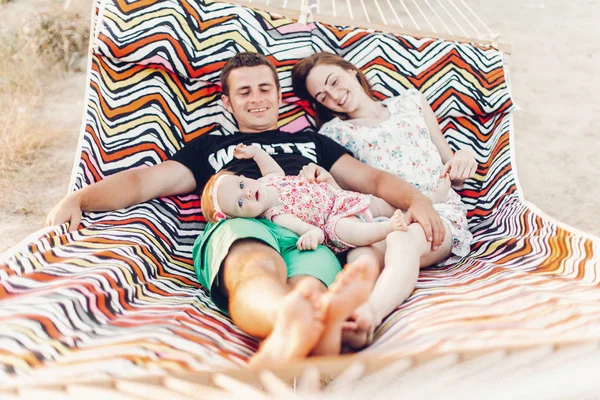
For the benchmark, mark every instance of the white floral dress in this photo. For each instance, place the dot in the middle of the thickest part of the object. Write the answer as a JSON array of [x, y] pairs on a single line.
[[402, 145]]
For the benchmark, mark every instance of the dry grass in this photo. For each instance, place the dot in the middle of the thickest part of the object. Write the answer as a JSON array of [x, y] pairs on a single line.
[[43, 47]]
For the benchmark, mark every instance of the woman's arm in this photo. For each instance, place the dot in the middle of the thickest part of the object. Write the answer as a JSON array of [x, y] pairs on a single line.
[[460, 165], [436, 133], [267, 165]]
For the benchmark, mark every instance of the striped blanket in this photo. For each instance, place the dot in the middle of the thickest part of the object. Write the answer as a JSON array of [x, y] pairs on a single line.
[[119, 296]]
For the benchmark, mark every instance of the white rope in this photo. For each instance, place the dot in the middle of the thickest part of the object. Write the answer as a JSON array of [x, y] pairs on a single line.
[[477, 17], [410, 15], [424, 16], [349, 9], [365, 10], [333, 7], [395, 15], [452, 18], [465, 18], [380, 12], [285, 4], [438, 17]]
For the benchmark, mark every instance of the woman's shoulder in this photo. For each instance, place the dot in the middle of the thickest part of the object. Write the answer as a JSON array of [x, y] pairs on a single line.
[[331, 126], [408, 95], [409, 100]]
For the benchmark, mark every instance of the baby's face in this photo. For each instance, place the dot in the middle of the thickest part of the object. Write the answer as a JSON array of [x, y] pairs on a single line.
[[239, 196]]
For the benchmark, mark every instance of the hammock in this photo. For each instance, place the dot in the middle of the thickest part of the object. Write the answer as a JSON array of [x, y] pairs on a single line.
[[119, 299]]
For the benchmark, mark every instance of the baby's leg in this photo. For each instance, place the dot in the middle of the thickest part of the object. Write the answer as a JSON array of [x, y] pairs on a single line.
[[353, 231], [381, 208]]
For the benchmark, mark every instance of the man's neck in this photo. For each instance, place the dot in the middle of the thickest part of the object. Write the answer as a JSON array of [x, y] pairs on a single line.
[[253, 130]]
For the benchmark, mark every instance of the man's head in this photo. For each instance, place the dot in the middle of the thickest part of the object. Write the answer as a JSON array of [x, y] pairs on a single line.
[[251, 92]]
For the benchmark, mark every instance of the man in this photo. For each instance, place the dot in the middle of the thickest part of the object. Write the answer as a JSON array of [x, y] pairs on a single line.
[[252, 268]]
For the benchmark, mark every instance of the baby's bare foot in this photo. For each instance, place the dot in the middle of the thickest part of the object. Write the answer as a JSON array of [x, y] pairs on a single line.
[[397, 221]]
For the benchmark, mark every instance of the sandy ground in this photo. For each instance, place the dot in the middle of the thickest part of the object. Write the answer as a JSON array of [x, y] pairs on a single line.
[[554, 80]]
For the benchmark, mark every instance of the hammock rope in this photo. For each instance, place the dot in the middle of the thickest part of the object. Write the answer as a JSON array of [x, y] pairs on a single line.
[[434, 18]]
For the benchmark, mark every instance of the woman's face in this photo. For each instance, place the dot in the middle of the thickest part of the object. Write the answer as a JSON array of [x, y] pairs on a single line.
[[336, 88]]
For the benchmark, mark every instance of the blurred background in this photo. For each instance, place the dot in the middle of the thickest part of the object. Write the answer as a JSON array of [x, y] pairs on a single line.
[[553, 67]]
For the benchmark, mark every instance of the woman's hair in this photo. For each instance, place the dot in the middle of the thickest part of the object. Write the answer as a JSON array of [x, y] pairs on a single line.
[[208, 206], [302, 69]]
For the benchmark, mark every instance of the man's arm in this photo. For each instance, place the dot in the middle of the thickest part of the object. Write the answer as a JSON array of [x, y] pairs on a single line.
[[122, 190], [353, 175]]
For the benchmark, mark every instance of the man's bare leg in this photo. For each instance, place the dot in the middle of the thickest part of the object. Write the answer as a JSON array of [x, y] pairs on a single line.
[[298, 327], [350, 289], [262, 304], [255, 277]]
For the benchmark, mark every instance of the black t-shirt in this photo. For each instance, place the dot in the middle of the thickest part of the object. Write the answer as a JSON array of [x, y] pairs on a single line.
[[208, 154]]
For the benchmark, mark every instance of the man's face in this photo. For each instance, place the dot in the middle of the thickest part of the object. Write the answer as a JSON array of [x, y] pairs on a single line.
[[253, 98]]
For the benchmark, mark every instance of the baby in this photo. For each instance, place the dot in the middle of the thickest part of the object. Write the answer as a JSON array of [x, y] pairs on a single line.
[[317, 212]]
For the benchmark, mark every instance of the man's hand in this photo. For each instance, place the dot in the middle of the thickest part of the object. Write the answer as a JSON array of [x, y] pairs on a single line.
[[242, 151], [460, 167], [422, 212], [310, 240], [67, 210]]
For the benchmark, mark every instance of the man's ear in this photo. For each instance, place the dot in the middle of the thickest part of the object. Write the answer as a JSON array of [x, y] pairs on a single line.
[[226, 103], [280, 98]]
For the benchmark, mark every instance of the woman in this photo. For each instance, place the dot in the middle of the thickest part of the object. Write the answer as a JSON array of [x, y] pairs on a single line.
[[400, 135]]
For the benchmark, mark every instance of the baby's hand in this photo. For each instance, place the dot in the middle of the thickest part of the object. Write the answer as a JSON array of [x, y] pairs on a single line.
[[242, 151], [397, 221], [310, 240]]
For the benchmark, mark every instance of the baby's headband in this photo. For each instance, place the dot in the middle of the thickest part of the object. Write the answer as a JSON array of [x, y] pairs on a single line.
[[219, 214]]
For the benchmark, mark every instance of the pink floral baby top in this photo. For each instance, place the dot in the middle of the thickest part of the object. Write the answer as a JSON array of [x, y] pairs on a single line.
[[402, 145], [319, 204]]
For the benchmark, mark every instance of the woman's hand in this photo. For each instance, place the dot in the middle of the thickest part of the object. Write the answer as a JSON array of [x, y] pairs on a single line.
[[314, 173], [460, 167]]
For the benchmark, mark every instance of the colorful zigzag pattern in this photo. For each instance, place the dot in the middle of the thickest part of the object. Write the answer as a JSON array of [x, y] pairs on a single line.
[[120, 297]]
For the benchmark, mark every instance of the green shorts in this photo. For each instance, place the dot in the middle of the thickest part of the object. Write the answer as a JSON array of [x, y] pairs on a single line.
[[211, 248]]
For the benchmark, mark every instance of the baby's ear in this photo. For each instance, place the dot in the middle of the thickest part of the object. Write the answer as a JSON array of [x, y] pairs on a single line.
[[218, 215]]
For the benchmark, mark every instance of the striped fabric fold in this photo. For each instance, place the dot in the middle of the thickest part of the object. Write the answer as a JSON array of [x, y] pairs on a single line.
[[120, 297]]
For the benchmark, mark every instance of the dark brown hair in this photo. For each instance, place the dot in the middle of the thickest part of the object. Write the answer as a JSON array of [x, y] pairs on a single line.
[[246, 59], [302, 69]]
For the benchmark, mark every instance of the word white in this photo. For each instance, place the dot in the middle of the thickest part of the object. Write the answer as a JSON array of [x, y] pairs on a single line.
[[223, 157]]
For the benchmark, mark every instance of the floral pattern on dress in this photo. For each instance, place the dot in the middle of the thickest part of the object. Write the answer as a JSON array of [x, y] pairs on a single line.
[[318, 204], [402, 145]]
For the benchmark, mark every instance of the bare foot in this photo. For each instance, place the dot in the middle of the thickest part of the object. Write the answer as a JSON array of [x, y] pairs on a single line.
[[397, 221], [351, 288], [355, 339], [366, 321], [298, 328]]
